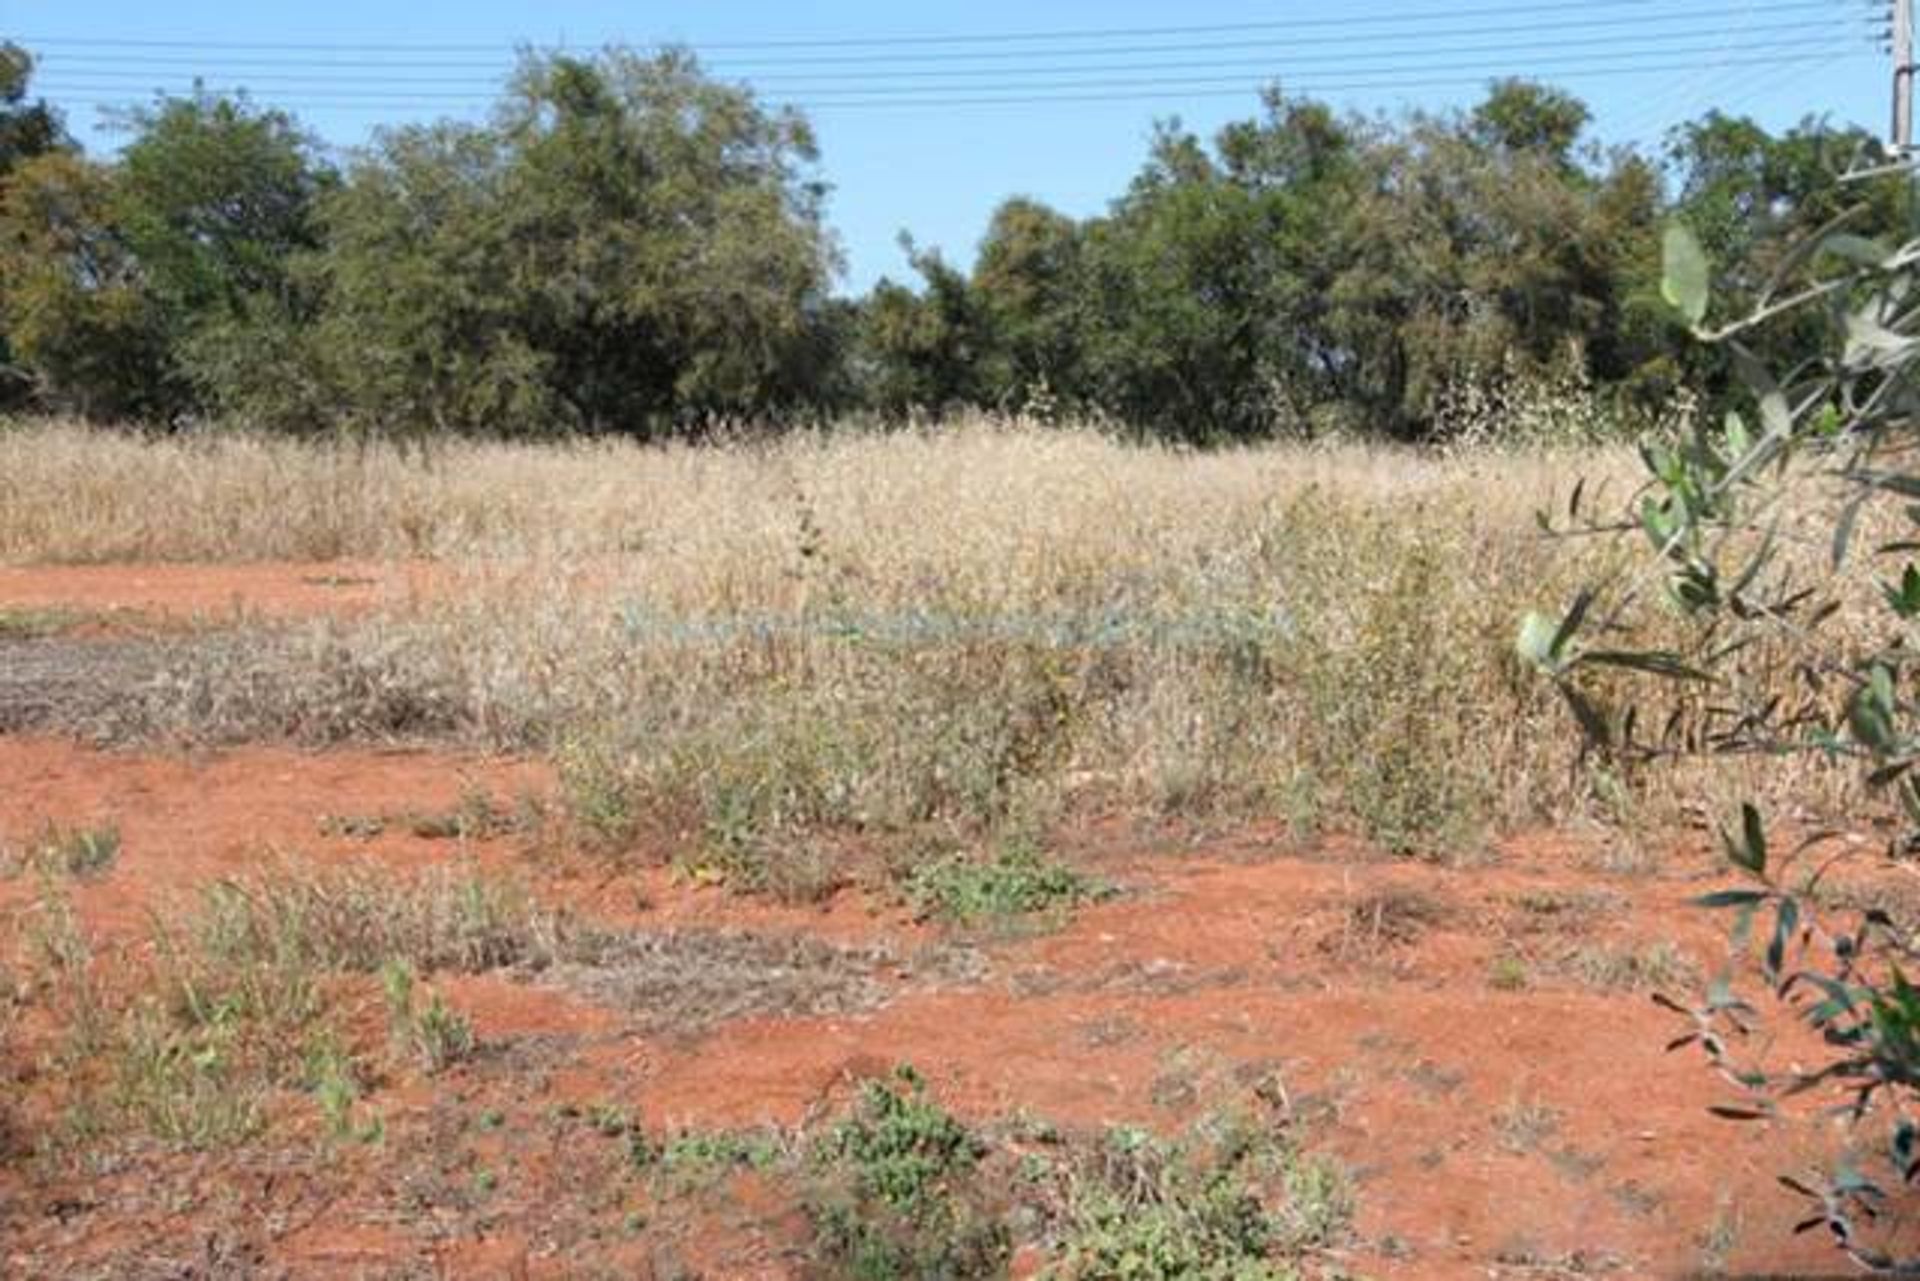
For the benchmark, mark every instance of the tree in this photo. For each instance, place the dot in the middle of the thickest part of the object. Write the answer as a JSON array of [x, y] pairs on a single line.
[[1027, 277], [932, 350], [1174, 277], [215, 197], [75, 309], [1747, 524], [27, 130], [1748, 196], [217, 201], [1522, 117], [1477, 252], [629, 246]]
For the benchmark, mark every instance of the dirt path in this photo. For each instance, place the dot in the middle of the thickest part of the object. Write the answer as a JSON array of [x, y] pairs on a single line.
[[1477, 1044], [190, 592]]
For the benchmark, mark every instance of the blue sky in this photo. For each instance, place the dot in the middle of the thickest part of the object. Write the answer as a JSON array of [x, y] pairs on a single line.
[[937, 168]]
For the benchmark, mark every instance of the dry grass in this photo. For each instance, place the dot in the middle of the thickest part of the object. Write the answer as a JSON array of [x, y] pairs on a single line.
[[976, 627], [888, 516]]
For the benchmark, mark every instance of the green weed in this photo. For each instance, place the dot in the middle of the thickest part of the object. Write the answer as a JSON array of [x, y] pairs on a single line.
[[434, 1032], [1018, 883], [82, 852]]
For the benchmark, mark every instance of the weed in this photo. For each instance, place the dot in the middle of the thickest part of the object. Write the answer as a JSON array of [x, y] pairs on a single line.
[[451, 920], [359, 827], [434, 1032], [1567, 910], [19, 623], [335, 1085], [1523, 1124], [476, 817], [693, 1159], [1320, 1202], [61, 956], [1395, 916], [1019, 882], [183, 1085], [1717, 1242], [694, 1149], [1141, 1207], [58, 850], [1508, 973], [890, 1197], [1651, 967]]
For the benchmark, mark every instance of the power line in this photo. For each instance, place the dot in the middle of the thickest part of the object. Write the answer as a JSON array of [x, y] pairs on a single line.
[[1400, 20], [376, 74], [293, 81], [1022, 97], [1822, 10]]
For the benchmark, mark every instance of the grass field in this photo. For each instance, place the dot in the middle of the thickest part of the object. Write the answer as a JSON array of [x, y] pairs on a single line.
[[552, 851]]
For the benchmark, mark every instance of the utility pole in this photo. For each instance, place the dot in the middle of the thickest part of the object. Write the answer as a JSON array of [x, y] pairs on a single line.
[[1902, 77]]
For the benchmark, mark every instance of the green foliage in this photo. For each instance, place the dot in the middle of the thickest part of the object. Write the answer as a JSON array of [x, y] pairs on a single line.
[[933, 350], [434, 1032], [1815, 454], [75, 310], [1019, 882], [1234, 1200], [27, 129], [629, 246], [891, 1201], [215, 195], [903, 1189], [83, 852]]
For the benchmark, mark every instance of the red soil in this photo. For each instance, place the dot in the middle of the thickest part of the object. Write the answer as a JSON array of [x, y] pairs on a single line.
[[1362, 985], [184, 593], [1218, 964]]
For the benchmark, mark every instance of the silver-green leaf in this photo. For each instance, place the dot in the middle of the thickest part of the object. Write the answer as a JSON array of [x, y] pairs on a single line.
[[1684, 273]]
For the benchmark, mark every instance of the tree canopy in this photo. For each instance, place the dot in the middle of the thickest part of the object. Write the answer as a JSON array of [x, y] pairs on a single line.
[[630, 245]]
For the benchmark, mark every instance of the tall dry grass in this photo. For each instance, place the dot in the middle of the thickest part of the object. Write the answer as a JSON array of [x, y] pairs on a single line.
[[925, 636], [1028, 504]]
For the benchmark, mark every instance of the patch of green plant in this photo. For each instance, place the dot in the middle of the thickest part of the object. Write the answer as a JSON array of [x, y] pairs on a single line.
[[475, 817], [1508, 973], [358, 827], [1019, 882], [433, 1031], [335, 1081], [1373, 674], [890, 1194], [185, 1086], [692, 1149], [82, 852], [1204, 1206], [453, 920], [597, 793], [692, 1159], [60, 956]]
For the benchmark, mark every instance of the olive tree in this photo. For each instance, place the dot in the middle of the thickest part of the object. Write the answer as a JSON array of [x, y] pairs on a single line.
[[1747, 525]]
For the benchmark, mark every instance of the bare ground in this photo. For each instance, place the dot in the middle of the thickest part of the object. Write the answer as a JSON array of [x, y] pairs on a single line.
[[1476, 1043], [1366, 986]]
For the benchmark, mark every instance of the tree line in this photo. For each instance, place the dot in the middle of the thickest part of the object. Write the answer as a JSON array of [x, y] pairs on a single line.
[[627, 245]]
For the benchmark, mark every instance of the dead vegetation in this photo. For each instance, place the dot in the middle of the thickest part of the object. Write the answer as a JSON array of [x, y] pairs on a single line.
[[798, 647]]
